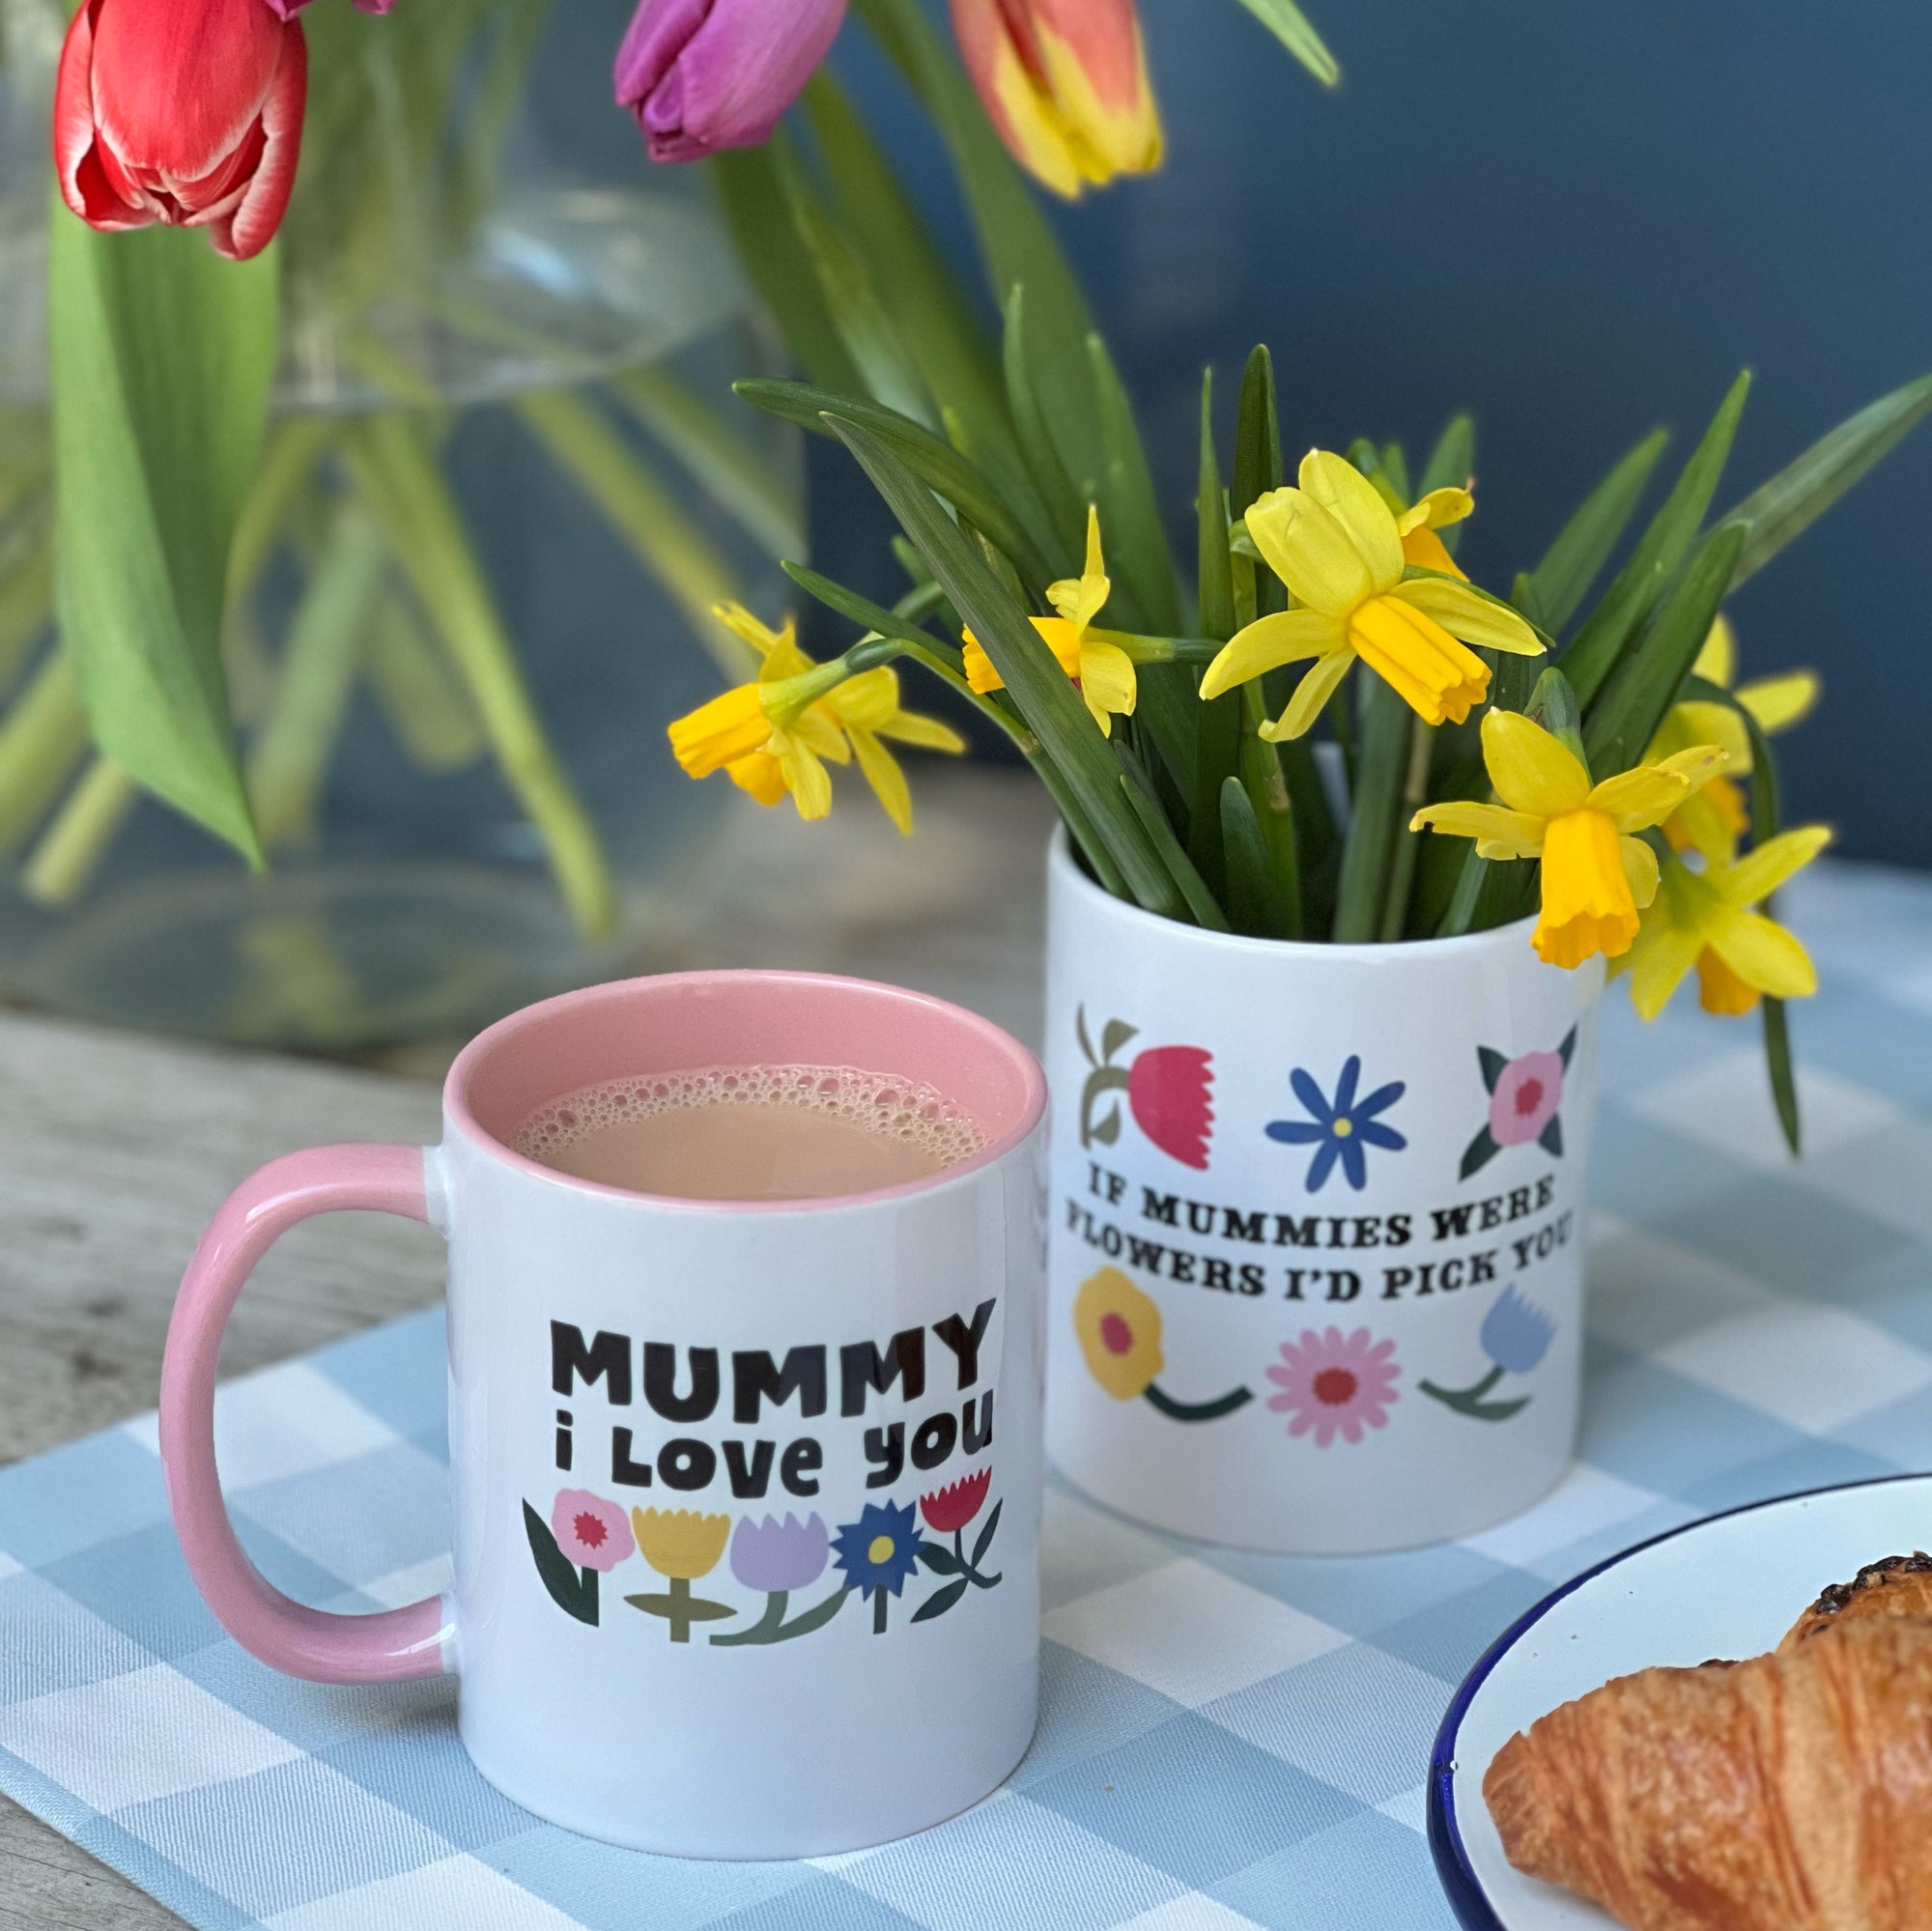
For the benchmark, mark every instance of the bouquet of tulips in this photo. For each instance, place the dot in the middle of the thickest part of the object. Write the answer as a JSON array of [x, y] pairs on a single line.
[[172, 489]]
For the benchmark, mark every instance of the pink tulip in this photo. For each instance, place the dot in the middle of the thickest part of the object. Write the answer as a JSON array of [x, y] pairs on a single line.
[[187, 112], [706, 75], [1065, 83]]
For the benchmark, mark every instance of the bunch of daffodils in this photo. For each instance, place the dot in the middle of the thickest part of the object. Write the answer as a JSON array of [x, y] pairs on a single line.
[[1322, 726]]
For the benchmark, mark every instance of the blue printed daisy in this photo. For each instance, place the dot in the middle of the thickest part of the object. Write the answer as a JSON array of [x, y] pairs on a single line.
[[1342, 1131], [878, 1552]]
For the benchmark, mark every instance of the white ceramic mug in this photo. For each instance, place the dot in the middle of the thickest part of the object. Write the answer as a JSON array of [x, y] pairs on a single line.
[[1316, 1247], [746, 1494]]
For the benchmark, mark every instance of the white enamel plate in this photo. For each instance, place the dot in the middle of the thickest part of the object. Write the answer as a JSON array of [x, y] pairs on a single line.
[[1728, 1587]]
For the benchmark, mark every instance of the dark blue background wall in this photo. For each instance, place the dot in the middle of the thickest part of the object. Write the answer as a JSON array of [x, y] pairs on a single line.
[[1578, 219]]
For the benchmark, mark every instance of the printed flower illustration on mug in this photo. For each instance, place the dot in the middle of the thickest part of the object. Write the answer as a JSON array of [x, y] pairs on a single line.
[[585, 1536], [1341, 1131], [1169, 1089], [1516, 1335], [1119, 1329], [681, 1545], [780, 1557], [949, 1510], [1333, 1383], [1524, 1095], [878, 1552]]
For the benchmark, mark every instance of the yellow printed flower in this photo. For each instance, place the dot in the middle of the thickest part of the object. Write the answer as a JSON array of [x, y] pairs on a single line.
[[1119, 1334], [775, 737], [1708, 920], [1103, 670], [1596, 875], [681, 1543], [1715, 817], [1339, 548]]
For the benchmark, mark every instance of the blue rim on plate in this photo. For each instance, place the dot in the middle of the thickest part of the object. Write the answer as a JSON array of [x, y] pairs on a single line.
[[1465, 1889]]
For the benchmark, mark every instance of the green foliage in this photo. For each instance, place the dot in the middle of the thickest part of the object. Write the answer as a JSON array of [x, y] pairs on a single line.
[[1293, 29], [163, 356]]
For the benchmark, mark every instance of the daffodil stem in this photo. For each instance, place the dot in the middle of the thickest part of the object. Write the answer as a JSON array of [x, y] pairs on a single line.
[[1401, 860], [1160, 649]]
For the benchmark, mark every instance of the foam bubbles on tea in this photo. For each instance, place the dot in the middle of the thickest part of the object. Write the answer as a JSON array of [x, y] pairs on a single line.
[[753, 1133]]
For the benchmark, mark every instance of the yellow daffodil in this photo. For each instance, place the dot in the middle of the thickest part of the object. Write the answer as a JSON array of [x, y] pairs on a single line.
[[1419, 524], [1707, 918], [775, 737], [866, 709], [1103, 670], [1339, 548], [1715, 817], [1596, 875]]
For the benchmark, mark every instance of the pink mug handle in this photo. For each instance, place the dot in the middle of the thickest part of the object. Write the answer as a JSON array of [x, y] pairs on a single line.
[[391, 1646]]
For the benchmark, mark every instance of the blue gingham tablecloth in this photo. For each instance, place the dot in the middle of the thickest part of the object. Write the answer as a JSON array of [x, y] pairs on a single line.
[[1228, 1740]]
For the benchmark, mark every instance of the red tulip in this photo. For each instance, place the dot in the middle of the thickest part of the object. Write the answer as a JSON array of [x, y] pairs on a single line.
[[187, 112], [1065, 83], [948, 1510]]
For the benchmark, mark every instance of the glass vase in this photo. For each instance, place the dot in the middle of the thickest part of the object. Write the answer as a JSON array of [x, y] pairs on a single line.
[[504, 485]]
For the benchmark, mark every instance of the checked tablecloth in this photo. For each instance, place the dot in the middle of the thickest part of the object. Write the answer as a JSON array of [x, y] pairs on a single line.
[[1228, 1740]]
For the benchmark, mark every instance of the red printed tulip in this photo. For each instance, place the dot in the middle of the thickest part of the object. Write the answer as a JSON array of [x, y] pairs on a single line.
[[1065, 83], [706, 75], [187, 112], [947, 1511], [1169, 1089]]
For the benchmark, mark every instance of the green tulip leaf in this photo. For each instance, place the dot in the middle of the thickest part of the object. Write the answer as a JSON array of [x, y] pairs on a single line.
[[161, 361], [1293, 29]]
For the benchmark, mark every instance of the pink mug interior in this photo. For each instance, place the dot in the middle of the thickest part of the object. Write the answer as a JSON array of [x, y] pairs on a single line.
[[684, 1021]]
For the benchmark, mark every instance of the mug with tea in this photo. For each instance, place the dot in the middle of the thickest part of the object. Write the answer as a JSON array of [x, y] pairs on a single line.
[[745, 1382]]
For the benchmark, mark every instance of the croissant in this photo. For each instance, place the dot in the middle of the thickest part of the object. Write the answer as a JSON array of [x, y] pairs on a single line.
[[1901, 1585], [1789, 1793]]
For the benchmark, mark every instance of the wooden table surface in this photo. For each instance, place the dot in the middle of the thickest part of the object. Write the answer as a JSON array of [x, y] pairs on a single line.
[[115, 1149]]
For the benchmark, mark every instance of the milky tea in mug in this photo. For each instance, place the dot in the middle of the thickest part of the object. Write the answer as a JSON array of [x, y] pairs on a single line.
[[753, 1133]]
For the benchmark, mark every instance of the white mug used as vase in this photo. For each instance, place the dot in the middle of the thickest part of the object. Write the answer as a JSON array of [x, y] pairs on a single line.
[[1317, 1259]]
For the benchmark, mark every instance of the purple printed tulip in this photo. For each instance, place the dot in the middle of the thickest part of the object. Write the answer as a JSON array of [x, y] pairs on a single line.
[[705, 74], [775, 1555]]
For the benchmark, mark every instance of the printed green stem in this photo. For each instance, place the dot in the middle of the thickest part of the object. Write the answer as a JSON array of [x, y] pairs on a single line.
[[397, 478], [771, 1627], [764, 1630], [680, 1608], [882, 1605], [977, 1578], [1226, 1404], [1470, 1400]]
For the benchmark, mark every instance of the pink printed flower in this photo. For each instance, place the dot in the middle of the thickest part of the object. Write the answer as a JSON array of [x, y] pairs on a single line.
[[1335, 1384], [1527, 1094], [591, 1532]]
